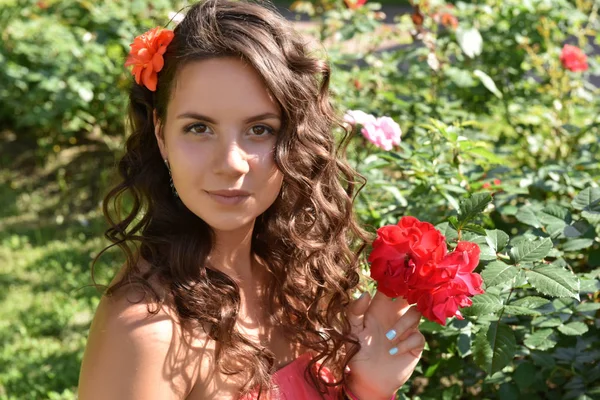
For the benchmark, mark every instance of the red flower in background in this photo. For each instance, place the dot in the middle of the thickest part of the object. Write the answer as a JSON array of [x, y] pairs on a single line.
[[449, 20], [410, 260], [573, 59], [355, 4]]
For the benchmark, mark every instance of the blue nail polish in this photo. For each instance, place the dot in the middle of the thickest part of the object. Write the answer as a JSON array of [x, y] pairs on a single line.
[[393, 351], [391, 334]]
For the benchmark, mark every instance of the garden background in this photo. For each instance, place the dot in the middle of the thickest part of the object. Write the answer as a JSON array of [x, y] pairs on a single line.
[[500, 125]]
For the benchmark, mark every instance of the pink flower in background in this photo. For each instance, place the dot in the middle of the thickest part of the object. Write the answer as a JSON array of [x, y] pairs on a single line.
[[573, 59], [354, 117], [383, 132]]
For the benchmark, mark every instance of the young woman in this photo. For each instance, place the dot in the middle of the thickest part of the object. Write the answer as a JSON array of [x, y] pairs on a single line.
[[242, 249]]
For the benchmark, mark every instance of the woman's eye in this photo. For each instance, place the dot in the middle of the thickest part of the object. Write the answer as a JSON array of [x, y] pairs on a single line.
[[262, 130], [197, 129]]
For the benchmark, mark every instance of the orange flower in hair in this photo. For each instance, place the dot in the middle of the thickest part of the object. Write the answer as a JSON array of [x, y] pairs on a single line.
[[146, 55]]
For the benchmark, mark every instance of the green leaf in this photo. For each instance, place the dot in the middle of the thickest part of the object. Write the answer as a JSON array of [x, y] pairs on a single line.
[[488, 82], [453, 222], [588, 199], [553, 280], [540, 340], [554, 214], [494, 347], [524, 375], [487, 254], [547, 322], [498, 273], [496, 239], [463, 344], [577, 244], [573, 328], [446, 230], [519, 310], [474, 205], [483, 304], [476, 229], [527, 216], [530, 302], [528, 250], [587, 307], [487, 154]]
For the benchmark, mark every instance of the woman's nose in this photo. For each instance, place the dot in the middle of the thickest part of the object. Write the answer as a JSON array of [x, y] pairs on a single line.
[[231, 160]]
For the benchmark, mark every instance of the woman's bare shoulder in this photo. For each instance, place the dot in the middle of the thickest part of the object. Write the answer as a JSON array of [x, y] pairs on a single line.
[[132, 354]]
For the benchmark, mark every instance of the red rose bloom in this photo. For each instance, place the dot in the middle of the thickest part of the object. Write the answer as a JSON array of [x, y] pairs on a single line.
[[403, 254], [573, 59], [409, 260]]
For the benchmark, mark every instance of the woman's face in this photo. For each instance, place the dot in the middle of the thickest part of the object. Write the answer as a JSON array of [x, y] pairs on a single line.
[[219, 139]]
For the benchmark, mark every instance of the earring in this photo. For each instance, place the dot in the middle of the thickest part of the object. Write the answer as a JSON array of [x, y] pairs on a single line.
[[171, 179]]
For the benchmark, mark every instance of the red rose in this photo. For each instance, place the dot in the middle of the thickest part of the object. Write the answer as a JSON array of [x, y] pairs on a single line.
[[402, 255], [444, 302], [573, 59], [409, 260], [462, 262]]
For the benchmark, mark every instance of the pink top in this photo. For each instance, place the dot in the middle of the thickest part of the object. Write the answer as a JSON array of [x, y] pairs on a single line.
[[292, 384]]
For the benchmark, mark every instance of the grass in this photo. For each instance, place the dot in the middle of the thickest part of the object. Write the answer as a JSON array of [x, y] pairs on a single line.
[[46, 305]]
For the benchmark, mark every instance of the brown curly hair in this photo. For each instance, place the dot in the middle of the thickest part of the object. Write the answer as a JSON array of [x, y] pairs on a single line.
[[308, 239]]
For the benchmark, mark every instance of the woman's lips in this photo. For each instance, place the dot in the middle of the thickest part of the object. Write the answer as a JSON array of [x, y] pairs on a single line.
[[229, 197]]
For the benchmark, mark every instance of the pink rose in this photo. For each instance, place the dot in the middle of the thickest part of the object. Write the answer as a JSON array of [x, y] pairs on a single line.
[[383, 132]]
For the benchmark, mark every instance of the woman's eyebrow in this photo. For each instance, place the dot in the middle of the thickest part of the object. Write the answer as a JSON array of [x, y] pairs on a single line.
[[259, 117]]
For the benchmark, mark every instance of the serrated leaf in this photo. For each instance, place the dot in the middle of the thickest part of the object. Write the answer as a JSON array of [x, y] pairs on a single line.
[[527, 216], [530, 302], [588, 199], [577, 244], [554, 214], [494, 347], [531, 250], [498, 273], [540, 340], [486, 254], [483, 304], [518, 310], [496, 239], [573, 328], [554, 281], [476, 204]]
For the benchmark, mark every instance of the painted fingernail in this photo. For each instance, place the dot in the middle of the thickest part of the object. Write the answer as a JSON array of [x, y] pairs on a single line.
[[391, 334], [393, 351], [363, 294]]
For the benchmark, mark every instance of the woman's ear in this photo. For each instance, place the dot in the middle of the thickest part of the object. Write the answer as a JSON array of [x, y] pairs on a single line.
[[158, 133]]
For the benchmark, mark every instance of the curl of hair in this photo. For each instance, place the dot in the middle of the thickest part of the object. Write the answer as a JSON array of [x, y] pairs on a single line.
[[308, 239]]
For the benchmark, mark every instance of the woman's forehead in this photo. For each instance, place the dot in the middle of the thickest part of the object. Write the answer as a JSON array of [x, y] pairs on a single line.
[[219, 86]]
